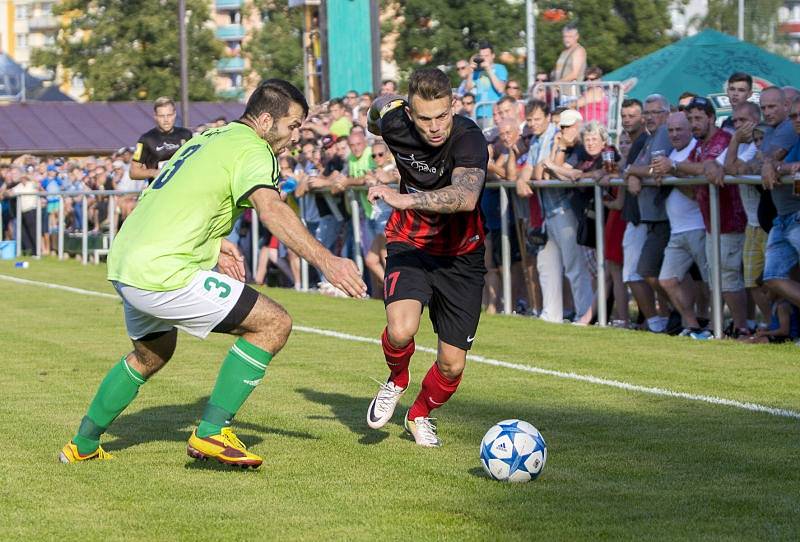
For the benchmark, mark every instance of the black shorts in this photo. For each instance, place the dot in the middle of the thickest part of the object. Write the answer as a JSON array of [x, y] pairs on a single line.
[[451, 286]]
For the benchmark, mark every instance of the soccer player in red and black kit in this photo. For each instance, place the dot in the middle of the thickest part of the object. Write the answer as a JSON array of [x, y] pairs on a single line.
[[434, 243]]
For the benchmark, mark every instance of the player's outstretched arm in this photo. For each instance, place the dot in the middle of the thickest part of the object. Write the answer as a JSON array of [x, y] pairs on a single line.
[[281, 220], [462, 195]]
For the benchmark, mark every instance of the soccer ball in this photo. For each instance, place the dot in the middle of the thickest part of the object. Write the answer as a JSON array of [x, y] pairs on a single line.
[[513, 451]]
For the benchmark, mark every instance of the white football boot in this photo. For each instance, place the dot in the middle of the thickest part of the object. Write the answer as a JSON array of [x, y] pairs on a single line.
[[382, 406], [423, 430]]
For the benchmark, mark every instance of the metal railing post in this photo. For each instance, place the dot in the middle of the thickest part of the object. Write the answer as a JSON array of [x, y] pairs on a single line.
[[600, 252], [18, 227], [254, 234], [505, 245], [716, 277], [60, 227], [85, 230], [38, 228], [355, 217]]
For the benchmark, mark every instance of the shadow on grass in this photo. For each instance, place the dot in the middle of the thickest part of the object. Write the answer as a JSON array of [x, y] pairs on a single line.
[[349, 410], [174, 423]]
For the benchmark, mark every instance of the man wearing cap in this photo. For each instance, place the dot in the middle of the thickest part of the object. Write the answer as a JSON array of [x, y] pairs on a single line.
[[157, 146], [562, 250]]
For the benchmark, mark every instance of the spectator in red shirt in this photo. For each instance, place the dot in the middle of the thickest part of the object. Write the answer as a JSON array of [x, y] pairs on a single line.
[[702, 162]]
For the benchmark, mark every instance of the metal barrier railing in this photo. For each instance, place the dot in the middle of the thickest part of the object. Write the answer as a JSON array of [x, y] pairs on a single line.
[[505, 211], [595, 100]]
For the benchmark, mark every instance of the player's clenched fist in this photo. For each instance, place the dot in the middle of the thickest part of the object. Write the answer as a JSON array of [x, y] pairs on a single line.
[[344, 274]]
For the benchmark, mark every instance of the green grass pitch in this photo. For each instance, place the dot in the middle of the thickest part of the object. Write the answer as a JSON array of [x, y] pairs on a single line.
[[622, 465]]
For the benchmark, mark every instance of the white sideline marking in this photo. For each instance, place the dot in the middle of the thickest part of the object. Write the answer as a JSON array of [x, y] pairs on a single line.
[[753, 407]]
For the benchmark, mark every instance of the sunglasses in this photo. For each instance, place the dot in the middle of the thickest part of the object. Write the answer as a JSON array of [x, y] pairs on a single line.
[[378, 154]]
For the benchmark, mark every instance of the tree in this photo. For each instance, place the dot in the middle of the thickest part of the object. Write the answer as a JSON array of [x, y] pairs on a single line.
[[760, 20], [614, 32], [276, 49], [439, 32], [128, 49]]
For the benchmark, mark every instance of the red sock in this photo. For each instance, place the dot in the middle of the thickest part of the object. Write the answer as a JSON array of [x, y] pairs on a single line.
[[436, 390], [397, 359]]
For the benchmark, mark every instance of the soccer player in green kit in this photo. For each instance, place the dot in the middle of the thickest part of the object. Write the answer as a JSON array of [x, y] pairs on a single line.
[[161, 266]]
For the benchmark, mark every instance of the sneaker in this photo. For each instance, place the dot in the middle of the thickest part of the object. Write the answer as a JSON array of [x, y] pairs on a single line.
[[383, 404], [423, 431], [69, 454], [702, 335], [225, 447]]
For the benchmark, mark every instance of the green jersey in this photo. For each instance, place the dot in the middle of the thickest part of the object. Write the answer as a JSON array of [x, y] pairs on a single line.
[[177, 227]]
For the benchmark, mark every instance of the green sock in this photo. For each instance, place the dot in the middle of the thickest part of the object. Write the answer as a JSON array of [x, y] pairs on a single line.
[[242, 370], [116, 392]]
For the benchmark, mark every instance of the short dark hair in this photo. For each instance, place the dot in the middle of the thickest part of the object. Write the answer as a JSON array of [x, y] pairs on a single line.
[[533, 105], [471, 95], [741, 77], [485, 45], [686, 94], [594, 70], [702, 103], [392, 81], [569, 27], [274, 96], [632, 102], [429, 84]]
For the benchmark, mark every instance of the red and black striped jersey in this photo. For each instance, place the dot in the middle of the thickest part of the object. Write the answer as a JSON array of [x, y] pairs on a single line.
[[424, 168]]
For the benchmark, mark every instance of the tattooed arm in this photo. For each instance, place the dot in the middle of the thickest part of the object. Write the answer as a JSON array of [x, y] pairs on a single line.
[[462, 195]]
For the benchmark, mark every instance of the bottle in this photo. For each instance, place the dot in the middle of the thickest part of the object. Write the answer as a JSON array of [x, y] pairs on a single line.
[[289, 185], [21, 265]]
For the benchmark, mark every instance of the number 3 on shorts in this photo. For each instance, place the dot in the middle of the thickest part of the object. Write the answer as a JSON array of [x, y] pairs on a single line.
[[213, 282]]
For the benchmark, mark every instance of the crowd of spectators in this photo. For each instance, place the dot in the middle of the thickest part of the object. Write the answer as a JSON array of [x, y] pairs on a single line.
[[657, 238]]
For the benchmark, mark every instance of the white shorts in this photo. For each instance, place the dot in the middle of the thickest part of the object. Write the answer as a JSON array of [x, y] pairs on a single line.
[[196, 308], [632, 244]]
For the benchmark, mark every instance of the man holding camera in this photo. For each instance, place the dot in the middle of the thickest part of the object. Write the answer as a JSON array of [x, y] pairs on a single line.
[[487, 84]]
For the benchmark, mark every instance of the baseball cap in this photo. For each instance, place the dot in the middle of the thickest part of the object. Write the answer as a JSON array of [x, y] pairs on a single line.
[[327, 142], [118, 164], [569, 117], [700, 102]]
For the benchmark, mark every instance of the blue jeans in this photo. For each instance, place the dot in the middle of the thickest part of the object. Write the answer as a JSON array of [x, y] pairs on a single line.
[[328, 231], [783, 246]]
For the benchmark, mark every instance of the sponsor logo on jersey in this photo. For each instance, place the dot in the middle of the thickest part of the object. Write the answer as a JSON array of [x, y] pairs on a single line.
[[166, 146], [419, 165]]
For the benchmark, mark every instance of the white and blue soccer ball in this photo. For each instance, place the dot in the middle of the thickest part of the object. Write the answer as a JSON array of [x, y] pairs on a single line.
[[513, 451]]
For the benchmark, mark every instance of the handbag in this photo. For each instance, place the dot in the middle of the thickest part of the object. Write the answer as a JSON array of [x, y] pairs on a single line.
[[537, 236], [587, 232]]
